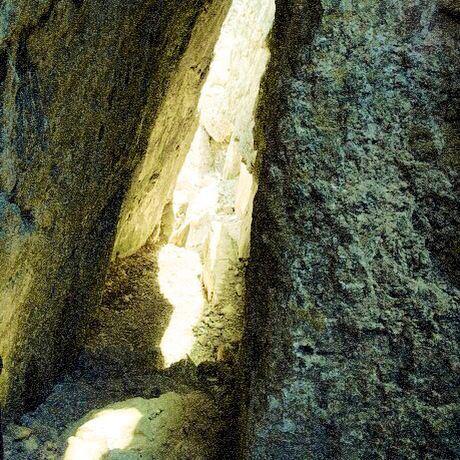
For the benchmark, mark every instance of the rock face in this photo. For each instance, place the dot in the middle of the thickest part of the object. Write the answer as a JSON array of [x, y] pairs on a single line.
[[214, 191], [170, 138], [80, 84], [350, 347], [353, 301]]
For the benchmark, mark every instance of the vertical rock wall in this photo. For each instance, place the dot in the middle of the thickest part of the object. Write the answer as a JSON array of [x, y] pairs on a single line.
[[352, 316], [80, 82], [171, 135]]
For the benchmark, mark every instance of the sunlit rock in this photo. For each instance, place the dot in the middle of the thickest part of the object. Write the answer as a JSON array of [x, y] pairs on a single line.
[[179, 278], [81, 89], [172, 426], [171, 135]]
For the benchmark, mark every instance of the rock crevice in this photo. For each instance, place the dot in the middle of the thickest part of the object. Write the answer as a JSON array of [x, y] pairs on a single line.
[[81, 89]]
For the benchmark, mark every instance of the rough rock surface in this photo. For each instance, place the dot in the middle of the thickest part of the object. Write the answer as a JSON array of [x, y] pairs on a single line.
[[80, 84], [182, 412], [213, 195], [353, 304], [125, 330], [351, 342], [154, 313], [191, 408], [170, 138]]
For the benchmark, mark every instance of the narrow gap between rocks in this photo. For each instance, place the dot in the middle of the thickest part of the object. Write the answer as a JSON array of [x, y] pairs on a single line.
[[156, 376]]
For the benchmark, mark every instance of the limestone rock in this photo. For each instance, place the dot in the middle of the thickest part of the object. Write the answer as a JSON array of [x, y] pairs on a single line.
[[80, 85], [170, 138]]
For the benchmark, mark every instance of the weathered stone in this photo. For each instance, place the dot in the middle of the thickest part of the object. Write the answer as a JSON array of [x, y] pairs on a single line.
[[352, 301], [31, 445], [450, 6], [170, 139], [18, 432], [80, 84], [353, 311]]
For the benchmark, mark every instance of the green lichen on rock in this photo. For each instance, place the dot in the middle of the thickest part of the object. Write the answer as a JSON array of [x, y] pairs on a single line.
[[356, 220]]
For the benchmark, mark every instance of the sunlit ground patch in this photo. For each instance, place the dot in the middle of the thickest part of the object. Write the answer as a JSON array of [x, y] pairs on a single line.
[[179, 276], [173, 426], [105, 431]]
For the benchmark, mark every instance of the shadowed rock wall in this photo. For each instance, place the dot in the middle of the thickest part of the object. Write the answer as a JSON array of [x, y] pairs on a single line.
[[80, 83], [352, 317]]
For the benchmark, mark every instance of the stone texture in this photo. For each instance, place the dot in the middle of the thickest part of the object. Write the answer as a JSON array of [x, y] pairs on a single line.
[[352, 311], [352, 328], [170, 138], [132, 415], [80, 84], [205, 124], [214, 191]]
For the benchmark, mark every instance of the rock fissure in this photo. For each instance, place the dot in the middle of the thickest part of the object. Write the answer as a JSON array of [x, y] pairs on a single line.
[[214, 245], [349, 106], [155, 375]]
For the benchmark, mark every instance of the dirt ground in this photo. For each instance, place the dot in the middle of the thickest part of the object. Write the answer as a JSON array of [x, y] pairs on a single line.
[[122, 359]]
